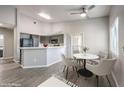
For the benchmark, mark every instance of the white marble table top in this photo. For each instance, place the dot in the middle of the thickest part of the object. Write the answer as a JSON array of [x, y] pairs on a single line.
[[85, 56]]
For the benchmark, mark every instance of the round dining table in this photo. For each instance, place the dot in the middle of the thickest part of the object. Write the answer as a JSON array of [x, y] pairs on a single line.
[[85, 57]]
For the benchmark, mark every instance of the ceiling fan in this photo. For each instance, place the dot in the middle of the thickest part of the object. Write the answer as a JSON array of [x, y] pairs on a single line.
[[83, 11]]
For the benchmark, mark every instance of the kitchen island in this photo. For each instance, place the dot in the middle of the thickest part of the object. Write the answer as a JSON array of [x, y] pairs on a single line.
[[32, 57]]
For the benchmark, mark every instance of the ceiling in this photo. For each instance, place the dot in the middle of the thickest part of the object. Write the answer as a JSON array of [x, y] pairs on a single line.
[[61, 12]]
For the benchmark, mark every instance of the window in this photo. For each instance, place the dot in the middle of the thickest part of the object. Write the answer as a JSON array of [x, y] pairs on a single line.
[[1, 45], [114, 37], [1, 40]]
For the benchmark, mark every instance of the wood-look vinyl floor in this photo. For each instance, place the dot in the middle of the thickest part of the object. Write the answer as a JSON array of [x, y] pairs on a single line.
[[11, 74]]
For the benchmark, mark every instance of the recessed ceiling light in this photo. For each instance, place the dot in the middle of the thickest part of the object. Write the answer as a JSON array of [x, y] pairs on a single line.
[[46, 16], [1, 24]]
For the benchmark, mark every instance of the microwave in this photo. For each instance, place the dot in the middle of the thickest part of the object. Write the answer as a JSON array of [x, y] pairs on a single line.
[[54, 41], [1, 53]]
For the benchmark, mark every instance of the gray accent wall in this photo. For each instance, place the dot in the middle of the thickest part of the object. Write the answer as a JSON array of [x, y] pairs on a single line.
[[8, 42]]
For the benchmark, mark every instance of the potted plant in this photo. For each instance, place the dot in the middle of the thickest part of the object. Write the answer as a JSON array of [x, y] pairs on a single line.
[[85, 49]]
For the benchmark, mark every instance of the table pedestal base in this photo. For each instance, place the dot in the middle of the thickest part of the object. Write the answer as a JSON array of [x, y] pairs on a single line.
[[85, 72]]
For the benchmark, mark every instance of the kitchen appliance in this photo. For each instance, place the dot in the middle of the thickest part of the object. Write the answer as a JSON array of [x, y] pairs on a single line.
[[1, 53], [26, 42], [54, 41]]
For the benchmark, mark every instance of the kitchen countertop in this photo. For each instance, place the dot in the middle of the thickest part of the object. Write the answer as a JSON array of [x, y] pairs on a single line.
[[1, 48], [26, 48]]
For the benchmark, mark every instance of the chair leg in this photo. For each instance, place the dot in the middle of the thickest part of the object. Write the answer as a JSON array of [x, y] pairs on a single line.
[[82, 61], [77, 71], [108, 80], [66, 72], [97, 78], [64, 68], [78, 61]]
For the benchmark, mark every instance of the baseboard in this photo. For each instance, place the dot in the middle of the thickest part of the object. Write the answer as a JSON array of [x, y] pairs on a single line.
[[53, 63], [14, 60], [41, 66], [24, 67], [115, 80], [6, 59]]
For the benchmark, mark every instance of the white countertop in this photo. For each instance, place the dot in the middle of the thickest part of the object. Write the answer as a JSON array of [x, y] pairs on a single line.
[[25, 48], [1, 48]]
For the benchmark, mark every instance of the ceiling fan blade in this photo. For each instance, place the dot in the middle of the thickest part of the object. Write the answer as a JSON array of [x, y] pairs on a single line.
[[91, 7], [78, 8]]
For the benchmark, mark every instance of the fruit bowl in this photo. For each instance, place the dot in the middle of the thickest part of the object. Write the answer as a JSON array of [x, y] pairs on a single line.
[[45, 45]]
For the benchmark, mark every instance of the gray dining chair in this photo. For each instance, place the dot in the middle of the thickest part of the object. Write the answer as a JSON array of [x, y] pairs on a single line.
[[69, 63], [103, 68], [102, 55]]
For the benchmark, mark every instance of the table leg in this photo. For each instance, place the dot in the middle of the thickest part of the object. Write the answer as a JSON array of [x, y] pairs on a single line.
[[84, 71], [84, 63]]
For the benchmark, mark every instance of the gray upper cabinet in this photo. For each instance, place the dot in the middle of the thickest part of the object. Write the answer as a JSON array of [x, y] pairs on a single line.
[[36, 40], [24, 35], [53, 39], [8, 15]]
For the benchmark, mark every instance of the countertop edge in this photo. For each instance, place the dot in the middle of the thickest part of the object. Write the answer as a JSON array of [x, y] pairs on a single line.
[[29, 48]]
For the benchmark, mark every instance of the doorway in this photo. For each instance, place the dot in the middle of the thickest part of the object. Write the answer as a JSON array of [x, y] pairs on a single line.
[[6, 45], [1, 47], [76, 43]]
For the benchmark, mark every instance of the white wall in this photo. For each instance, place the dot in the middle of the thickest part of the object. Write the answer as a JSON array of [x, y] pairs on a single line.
[[96, 32], [26, 25], [118, 11], [8, 42]]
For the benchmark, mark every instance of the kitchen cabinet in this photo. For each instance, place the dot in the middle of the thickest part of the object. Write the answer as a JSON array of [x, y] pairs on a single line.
[[35, 40], [40, 56], [24, 35], [53, 39]]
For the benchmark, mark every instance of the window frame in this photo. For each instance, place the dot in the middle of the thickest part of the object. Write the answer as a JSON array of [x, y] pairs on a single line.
[[114, 42]]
